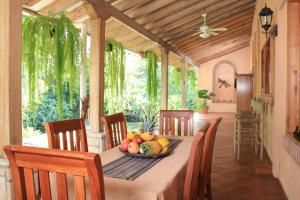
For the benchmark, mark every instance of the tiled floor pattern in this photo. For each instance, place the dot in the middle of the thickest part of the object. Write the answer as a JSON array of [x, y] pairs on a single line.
[[247, 179]]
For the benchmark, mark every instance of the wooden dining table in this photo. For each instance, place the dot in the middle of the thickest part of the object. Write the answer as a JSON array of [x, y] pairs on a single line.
[[164, 181]]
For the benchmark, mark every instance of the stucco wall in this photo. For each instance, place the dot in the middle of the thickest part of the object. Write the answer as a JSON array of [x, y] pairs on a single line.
[[284, 167], [240, 58]]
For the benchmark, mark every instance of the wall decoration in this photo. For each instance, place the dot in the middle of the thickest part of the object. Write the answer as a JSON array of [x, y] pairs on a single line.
[[224, 82]]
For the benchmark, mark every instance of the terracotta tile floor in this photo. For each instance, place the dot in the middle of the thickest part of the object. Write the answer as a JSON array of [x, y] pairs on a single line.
[[248, 178]]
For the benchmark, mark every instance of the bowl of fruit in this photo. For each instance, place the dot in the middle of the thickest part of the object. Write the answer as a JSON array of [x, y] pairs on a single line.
[[145, 145]]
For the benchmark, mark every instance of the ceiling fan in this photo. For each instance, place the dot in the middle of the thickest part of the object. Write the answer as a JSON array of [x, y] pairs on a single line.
[[205, 31]]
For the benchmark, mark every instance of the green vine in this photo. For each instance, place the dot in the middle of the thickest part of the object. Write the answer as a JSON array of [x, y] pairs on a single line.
[[192, 78], [115, 69], [152, 82], [51, 54], [177, 76]]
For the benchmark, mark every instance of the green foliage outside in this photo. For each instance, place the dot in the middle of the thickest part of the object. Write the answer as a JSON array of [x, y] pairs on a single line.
[[202, 96], [45, 110], [151, 70], [115, 75], [51, 56], [133, 94], [174, 83]]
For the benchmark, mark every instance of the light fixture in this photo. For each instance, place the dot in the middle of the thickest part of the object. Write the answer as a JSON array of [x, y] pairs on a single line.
[[266, 17]]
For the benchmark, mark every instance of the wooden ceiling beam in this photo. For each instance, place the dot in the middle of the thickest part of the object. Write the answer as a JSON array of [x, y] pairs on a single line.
[[125, 6], [224, 52], [181, 36], [148, 8], [165, 11], [58, 6], [222, 5], [237, 39], [231, 30], [77, 13], [221, 37], [198, 7], [104, 6], [30, 2], [146, 46], [217, 15], [198, 48], [229, 35]]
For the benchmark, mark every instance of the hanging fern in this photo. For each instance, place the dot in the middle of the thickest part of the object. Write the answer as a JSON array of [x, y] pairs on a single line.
[[192, 78], [51, 53], [177, 77], [115, 69], [152, 82]]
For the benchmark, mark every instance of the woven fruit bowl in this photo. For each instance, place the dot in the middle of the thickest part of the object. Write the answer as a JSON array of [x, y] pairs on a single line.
[[145, 145]]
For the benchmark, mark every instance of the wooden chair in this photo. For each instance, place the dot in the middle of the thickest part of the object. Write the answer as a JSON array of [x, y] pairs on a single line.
[[208, 147], [115, 129], [23, 160], [193, 169], [167, 122], [59, 131]]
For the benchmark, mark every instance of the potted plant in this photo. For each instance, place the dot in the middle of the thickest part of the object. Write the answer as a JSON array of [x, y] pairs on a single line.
[[201, 103]]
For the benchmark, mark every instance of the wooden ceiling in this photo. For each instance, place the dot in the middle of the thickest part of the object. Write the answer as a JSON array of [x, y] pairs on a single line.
[[148, 24]]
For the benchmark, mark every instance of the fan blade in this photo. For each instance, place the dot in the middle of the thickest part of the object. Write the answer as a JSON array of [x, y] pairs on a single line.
[[218, 29], [191, 30], [213, 33]]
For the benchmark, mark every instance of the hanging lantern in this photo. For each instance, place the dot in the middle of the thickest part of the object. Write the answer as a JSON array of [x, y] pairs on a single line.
[[266, 17]]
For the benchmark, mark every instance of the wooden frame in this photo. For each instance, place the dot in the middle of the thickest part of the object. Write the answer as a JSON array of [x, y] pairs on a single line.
[[266, 68], [23, 160], [193, 171], [205, 175], [57, 131], [115, 129], [167, 122]]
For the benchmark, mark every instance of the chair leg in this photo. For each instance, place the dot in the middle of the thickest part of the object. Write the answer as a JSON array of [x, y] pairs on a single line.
[[261, 149], [239, 145]]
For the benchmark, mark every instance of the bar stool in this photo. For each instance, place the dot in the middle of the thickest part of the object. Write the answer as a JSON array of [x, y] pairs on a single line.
[[244, 133], [257, 109]]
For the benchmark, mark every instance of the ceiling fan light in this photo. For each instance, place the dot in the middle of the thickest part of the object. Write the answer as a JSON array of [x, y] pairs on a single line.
[[205, 35]]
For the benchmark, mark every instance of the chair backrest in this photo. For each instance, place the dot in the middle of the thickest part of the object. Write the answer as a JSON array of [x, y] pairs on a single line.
[[168, 119], [193, 168], [23, 160], [115, 129], [60, 132], [207, 155]]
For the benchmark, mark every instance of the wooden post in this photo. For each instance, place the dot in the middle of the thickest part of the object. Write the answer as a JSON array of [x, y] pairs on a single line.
[[164, 78], [83, 67], [183, 90], [10, 73], [97, 74]]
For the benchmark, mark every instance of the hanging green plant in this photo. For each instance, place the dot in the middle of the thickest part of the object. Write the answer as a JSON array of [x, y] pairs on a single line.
[[177, 76], [192, 78], [152, 82], [115, 69], [52, 54]]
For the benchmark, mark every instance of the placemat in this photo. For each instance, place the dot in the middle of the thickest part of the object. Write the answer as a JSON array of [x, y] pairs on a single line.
[[130, 168]]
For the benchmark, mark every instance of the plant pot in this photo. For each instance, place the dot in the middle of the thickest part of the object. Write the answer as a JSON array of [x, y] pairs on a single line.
[[204, 111]]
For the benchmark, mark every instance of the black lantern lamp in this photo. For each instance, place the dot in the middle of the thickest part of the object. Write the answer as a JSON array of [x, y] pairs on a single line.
[[266, 17]]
